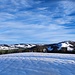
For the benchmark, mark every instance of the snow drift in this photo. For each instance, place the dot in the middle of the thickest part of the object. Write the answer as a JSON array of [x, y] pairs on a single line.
[[37, 64]]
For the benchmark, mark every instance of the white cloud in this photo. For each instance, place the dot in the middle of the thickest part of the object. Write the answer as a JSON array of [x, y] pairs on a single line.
[[22, 3], [6, 16], [38, 2], [64, 20], [41, 33], [67, 6], [35, 25], [42, 8], [7, 38]]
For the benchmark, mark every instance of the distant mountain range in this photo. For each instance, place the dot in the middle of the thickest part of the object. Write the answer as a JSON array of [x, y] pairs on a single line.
[[65, 46]]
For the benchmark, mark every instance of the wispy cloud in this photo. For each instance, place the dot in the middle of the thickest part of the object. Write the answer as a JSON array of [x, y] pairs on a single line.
[[42, 8], [35, 32], [67, 6], [36, 21]]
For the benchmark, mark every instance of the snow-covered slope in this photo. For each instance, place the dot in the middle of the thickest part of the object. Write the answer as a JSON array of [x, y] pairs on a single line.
[[65, 45], [23, 45], [37, 64], [15, 46]]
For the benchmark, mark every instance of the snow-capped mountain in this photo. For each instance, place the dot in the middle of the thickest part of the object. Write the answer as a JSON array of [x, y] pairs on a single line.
[[15, 46], [65, 46], [23, 45], [6, 47]]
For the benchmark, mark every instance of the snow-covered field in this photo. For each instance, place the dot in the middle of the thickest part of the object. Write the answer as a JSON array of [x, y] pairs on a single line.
[[37, 64]]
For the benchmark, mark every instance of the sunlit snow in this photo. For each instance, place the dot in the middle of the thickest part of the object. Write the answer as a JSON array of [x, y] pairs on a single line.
[[37, 64]]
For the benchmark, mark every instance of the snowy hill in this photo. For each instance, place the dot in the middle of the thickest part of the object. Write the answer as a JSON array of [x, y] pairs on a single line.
[[15, 46], [37, 64], [65, 46], [23, 45], [61, 47]]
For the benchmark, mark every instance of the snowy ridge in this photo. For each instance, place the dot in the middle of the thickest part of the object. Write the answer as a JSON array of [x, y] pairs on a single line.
[[15, 46], [23, 45], [66, 46]]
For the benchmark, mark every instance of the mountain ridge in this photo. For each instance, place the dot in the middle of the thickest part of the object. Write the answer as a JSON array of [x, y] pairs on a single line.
[[64, 46]]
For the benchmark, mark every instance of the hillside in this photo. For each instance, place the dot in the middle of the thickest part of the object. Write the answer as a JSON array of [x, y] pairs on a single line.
[[60, 47], [37, 64]]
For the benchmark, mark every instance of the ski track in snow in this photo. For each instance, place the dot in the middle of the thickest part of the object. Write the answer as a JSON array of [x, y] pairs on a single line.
[[37, 64]]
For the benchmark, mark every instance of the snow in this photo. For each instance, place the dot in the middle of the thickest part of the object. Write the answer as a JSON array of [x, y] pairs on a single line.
[[49, 48], [15, 46], [69, 49], [24, 45], [7, 48], [4, 48], [37, 64], [65, 45]]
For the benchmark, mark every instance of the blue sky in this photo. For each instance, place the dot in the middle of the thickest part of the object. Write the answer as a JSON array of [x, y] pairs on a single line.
[[37, 21]]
